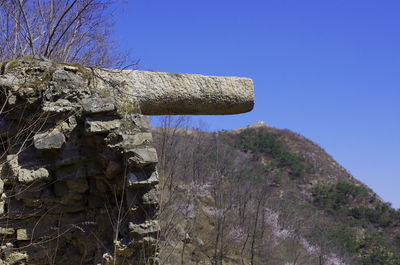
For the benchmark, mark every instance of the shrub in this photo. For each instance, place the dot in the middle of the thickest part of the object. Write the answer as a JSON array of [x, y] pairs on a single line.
[[380, 256], [350, 189], [365, 213], [277, 179], [262, 142], [374, 251], [397, 239], [375, 216], [334, 197], [346, 238], [269, 167]]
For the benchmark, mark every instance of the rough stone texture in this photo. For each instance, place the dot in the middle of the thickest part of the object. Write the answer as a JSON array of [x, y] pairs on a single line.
[[98, 105], [24, 175], [154, 93], [49, 140], [78, 179], [167, 93], [68, 195]]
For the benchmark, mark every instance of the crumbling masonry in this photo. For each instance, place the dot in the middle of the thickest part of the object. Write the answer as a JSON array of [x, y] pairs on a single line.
[[78, 179]]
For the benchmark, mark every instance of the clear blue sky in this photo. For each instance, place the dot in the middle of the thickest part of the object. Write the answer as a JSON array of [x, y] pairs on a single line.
[[327, 69]]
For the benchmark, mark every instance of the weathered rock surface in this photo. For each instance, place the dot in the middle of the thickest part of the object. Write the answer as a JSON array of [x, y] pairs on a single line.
[[51, 140], [167, 93], [154, 93], [98, 105], [24, 175], [78, 179], [65, 174]]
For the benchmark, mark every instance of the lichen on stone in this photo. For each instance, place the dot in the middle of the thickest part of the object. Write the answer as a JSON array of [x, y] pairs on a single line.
[[64, 181]]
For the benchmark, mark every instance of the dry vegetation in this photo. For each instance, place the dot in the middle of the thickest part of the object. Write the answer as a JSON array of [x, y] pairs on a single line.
[[74, 31], [265, 196]]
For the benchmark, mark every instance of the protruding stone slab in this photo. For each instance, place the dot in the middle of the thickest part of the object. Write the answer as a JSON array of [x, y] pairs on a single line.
[[141, 156], [138, 179], [91, 155], [147, 228], [52, 140], [154, 93], [165, 93]]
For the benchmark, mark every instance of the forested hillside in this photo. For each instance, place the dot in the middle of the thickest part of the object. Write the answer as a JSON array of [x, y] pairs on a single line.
[[261, 195]]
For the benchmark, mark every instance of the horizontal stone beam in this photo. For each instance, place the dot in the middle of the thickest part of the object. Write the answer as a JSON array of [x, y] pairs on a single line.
[[155, 93], [160, 93]]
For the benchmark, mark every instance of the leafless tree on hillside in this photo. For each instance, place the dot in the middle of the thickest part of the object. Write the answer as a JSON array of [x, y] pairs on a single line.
[[74, 31]]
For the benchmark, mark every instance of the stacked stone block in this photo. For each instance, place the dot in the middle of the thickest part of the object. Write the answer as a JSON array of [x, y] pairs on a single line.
[[78, 179], [78, 183]]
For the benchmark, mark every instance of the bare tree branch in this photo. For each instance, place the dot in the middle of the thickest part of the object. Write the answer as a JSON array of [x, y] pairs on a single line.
[[57, 25], [28, 27], [72, 31]]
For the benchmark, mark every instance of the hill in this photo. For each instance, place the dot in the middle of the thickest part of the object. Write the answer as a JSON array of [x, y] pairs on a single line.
[[260, 195]]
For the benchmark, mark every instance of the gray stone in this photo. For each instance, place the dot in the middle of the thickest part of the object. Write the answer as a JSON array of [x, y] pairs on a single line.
[[150, 197], [133, 140], [7, 231], [68, 125], [140, 138], [52, 140], [154, 93], [22, 174], [67, 80], [2, 203], [66, 85], [1, 183], [12, 100], [149, 241], [98, 105], [139, 180], [139, 120], [60, 106], [141, 156], [149, 227], [101, 126], [166, 93], [22, 234], [108, 259], [104, 156], [16, 258]]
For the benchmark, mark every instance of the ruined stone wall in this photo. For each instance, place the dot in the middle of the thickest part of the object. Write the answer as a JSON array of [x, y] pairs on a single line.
[[78, 182]]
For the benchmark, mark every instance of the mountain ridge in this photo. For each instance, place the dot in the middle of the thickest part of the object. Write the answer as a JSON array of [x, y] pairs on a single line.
[[295, 179]]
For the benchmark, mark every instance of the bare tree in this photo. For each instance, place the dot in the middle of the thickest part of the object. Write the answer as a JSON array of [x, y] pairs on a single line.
[[74, 31]]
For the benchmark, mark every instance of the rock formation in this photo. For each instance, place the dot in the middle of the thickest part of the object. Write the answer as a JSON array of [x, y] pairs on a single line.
[[78, 179]]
